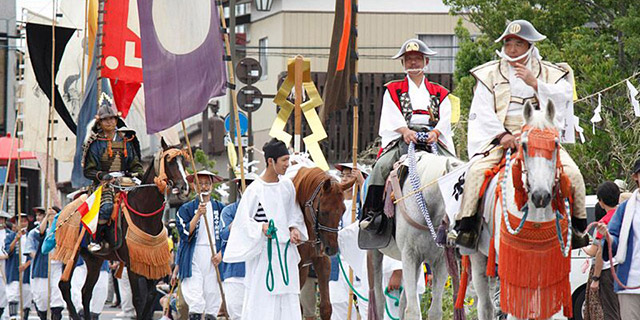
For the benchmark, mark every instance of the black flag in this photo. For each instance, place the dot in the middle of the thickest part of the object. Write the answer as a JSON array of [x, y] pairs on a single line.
[[39, 44]]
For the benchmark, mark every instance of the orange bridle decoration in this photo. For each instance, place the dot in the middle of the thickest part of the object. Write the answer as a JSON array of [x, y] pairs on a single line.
[[540, 143], [162, 180]]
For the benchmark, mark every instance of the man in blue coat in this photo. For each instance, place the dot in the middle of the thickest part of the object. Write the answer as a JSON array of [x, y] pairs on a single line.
[[233, 273], [624, 229], [40, 266], [196, 263], [16, 264]]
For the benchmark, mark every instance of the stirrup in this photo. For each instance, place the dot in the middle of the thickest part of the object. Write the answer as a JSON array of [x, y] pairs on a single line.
[[468, 239]]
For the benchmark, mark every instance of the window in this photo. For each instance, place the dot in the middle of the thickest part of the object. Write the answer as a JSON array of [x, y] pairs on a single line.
[[446, 45], [263, 44]]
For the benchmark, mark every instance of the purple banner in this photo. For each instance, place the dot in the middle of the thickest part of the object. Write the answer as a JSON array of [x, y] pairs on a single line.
[[182, 59]]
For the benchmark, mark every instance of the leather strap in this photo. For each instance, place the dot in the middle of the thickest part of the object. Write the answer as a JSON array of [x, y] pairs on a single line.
[[397, 191]]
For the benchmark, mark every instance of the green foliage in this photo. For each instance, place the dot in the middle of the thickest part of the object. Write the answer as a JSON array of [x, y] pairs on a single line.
[[600, 39]]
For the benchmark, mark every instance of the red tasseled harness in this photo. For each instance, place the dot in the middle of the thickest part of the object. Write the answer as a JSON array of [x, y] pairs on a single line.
[[534, 275]]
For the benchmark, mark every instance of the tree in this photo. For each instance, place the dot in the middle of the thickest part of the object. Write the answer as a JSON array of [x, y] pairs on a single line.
[[600, 39]]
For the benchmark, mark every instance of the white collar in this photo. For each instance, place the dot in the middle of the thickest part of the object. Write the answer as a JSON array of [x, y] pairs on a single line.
[[413, 84]]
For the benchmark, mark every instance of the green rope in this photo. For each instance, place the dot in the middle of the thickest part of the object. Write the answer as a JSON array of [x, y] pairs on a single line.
[[344, 274], [395, 303], [272, 235], [386, 292]]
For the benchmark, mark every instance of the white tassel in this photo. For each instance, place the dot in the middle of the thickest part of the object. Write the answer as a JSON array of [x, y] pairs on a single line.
[[596, 114], [633, 97]]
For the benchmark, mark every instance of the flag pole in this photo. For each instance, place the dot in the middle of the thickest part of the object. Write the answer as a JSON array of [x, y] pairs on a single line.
[[50, 143], [85, 45], [206, 221], [356, 186], [232, 88], [98, 51], [298, 68]]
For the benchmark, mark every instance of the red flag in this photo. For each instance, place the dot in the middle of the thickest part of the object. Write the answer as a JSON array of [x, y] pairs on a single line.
[[122, 53], [342, 58]]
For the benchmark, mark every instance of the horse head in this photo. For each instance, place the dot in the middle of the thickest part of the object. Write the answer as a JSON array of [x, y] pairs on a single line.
[[170, 170], [538, 155], [322, 200]]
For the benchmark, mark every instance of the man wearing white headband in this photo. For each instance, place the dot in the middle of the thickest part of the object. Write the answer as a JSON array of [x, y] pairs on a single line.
[[197, 271], [495, 118], [410, 105]]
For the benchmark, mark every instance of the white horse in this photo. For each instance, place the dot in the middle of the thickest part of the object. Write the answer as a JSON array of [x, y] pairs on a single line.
[[540, 173], [414, 246]]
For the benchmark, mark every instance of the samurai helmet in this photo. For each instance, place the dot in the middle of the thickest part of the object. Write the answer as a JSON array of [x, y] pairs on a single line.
[[414, 45], [106, 108], [522, 29]]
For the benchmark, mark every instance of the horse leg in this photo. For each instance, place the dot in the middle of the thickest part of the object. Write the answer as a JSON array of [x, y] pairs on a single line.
[[410, 268], [65, 289], [93, 273], [135, 293], [322, 265], [481, 286], [440, 275], [150, 300], [374, 271]]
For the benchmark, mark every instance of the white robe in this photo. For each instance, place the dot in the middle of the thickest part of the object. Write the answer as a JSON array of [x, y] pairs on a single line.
[[247, 243], [487, 125], [391, 118]]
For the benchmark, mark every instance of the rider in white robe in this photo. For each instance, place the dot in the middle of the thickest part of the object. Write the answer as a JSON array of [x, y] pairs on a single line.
[[269, 198]]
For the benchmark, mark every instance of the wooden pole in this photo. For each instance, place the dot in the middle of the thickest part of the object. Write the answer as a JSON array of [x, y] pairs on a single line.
[[206, 220], [356, 186], [85, 44], [98, 52], [50, 141], [19, 213], [297, 145], [232, 87]]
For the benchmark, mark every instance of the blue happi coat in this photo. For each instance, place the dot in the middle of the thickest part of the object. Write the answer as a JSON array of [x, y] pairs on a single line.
[[229, 270], [187, 241], [11, 267]]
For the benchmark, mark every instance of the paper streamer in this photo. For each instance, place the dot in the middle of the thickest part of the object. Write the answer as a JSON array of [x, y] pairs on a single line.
[[578, 128], [633, 97], [455, 108], [233, 157], [596, 114], [308, 108]]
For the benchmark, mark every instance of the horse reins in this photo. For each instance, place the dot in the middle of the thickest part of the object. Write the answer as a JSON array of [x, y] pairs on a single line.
[[162, 180], [317, 226]]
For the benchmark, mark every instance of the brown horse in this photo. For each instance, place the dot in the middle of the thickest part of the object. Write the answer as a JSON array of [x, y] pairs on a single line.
[[145, 204], [322, 201]]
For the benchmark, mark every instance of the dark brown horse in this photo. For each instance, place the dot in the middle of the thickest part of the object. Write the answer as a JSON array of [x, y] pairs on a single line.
[[322, 201], [145, 204]]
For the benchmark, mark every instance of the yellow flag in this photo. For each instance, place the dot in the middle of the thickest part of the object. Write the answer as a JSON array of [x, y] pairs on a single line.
[[455, 108]]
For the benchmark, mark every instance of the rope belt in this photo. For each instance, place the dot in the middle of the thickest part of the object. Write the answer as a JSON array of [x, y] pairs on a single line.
[[273, 235], [414, 178]]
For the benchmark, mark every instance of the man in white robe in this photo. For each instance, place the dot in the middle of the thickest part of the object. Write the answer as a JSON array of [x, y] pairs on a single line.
[[496, 117], [409, 105], [270, 200]]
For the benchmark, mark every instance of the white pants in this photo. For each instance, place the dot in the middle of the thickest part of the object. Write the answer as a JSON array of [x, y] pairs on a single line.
[[126, 295], [201, 290], [339, 292], [99, 295], [274, 306], [13, 293], [40, 289], [234, 294]]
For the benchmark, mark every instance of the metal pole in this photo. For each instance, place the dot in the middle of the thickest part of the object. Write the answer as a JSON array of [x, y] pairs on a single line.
[[232, 84]]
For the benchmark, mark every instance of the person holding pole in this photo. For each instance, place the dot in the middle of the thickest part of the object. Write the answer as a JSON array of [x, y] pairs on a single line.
[[267, 227], [196, 262], [3, 256], [410, 105], [40, 267], [16, 265]]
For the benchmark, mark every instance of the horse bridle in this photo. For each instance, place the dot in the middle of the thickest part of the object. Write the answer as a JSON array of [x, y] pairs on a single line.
[[162, 180], [317, 226]]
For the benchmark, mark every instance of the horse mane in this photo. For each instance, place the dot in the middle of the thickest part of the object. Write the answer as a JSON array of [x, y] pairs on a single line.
[[307, 180]]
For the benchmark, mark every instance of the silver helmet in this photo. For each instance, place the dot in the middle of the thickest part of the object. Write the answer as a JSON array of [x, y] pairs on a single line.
[[414, 45], [522, 29]]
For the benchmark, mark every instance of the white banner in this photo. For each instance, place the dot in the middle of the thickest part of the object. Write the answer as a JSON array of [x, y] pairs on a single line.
[[452, 187]]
